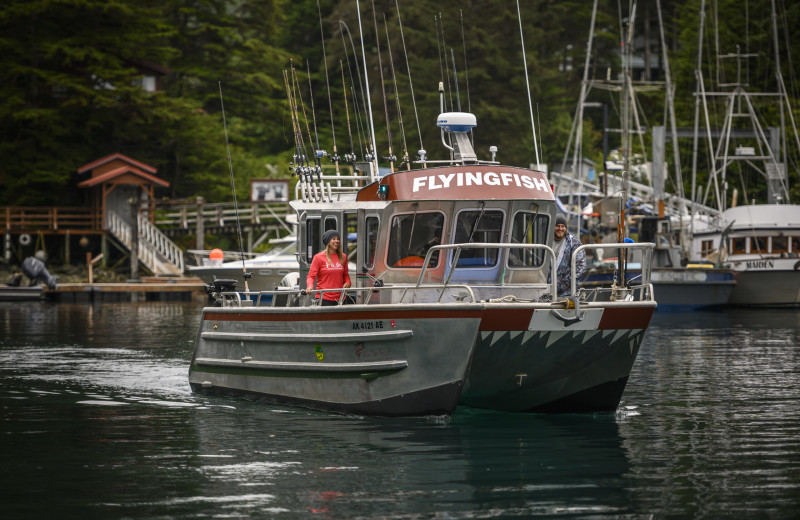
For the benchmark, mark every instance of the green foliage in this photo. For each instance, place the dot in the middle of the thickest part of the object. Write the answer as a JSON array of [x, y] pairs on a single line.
[[70, 96]]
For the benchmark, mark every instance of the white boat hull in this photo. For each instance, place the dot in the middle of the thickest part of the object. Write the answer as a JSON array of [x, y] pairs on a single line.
[[767, 282]]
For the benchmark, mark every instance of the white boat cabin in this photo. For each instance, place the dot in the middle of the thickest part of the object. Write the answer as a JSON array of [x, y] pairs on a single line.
[[397, 220]]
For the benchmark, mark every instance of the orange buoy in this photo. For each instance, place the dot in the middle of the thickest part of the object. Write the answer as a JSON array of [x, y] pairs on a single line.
[[215, 254]]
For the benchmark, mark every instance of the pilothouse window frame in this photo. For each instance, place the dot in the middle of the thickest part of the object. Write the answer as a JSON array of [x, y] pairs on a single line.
[[414, 254], [538, 256], [481, 212]]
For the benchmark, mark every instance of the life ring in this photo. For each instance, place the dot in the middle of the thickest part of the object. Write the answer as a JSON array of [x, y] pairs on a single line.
[[24, 239], [409, 261]]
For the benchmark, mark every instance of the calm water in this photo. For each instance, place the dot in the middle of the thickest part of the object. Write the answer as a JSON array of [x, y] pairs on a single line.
[[97, 421]]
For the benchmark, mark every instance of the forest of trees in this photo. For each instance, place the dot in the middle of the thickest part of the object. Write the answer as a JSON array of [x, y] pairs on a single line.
[[70, 86]]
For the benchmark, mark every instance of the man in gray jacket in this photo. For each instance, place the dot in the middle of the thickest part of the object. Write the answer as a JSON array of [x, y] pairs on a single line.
[[564, 245]]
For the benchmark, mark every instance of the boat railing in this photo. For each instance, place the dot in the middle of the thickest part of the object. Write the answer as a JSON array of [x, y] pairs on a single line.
[[489, 245], [644, 289], [404, 288]]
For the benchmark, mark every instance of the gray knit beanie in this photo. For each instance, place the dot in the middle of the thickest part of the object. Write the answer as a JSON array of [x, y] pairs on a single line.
[[328, 236]]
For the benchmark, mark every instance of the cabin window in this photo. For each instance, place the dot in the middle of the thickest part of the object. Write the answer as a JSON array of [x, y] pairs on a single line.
[[349, 238], [739, 245], [706, 247], [411, 236], [758, 245], [795, 243], [528, 228], [330, 223], [478, 226], [779, 244], [313, 238], [371, 240]]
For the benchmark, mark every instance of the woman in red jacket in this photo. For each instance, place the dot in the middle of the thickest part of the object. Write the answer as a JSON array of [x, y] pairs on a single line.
[[329, 269]]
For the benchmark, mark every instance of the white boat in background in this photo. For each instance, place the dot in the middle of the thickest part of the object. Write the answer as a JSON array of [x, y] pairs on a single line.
[[266, 269], [753, 141], [761, 244]]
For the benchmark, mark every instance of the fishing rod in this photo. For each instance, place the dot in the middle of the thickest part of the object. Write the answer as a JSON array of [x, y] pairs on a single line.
[[369, 101], [319, 153], [303, 168], [391, 158], [299, 168], [351, 157], [342, 23], [316, 169], [396, 96], [245, 275], [318, 150], [421, 152], [351, 90], [335, 156]]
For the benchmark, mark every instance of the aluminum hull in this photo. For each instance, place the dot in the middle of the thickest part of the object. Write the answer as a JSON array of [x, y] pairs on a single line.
[[422, 359], [542, 364], [372, 360]]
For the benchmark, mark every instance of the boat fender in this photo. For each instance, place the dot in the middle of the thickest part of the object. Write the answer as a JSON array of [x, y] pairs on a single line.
[[24, 239]]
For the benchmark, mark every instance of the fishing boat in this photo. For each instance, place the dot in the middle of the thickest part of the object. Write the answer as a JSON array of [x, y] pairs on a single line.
[[452, 305], [678, 287], [760, 239], [761, 244]]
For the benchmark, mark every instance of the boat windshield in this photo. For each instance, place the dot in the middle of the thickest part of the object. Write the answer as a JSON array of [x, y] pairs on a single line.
[[411, 236], [528, 228], [478, 226]]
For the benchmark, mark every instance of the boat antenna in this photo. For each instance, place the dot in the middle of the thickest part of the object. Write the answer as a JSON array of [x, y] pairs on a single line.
[[410, 84], [528, 85], [245, 274], [391, 158], [335, 156], [396, 96], [466, 72], [351, 157], [455, 78], [444, 48], [366, 84]]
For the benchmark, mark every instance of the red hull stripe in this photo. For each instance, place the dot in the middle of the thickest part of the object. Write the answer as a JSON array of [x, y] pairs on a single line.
[[506, 319], [344, 316], [626, 318]]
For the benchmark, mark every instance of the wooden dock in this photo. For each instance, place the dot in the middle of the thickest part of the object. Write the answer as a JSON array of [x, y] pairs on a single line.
[[148, 289]]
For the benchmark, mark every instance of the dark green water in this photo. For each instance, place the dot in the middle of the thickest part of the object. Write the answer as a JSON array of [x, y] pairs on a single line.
[[97, 421]]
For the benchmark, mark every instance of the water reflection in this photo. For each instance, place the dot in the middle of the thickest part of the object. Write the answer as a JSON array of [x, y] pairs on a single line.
[[98, 420]]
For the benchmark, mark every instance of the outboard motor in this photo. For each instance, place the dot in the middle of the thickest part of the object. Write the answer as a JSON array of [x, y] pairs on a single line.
[[33, 267], [217, 287]]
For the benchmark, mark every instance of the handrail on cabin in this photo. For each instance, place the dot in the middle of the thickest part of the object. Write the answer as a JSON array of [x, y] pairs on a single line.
[[493, 245]]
